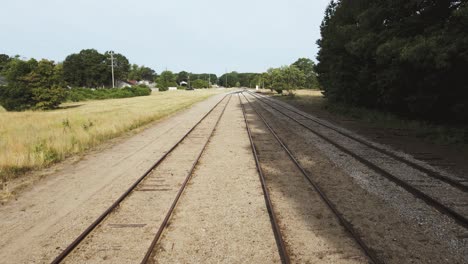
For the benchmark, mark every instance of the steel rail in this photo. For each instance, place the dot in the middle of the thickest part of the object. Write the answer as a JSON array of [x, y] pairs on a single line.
[[460, 219], [429, 172], [90, 228], [347, 225], [163, 226], [274, 222]]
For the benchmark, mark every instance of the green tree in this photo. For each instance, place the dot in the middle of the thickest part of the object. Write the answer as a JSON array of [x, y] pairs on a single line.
[[198, 84], [88, 68], [182, 77], [121, 66], [307, 66], [32, 84], [165, 80], [285, 78], [404, 57], [141, 73], [4, 60]]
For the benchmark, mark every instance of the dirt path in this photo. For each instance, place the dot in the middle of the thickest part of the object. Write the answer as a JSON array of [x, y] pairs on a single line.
[[222, 218], [43, 220]]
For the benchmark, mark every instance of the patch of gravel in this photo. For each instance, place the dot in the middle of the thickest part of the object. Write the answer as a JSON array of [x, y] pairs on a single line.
[[221, 217], [304, 218], [398, 226], [403, 155]]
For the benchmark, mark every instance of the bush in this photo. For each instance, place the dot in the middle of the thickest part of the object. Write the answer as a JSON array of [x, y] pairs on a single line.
[[15, 97], [83, 94], [198, 84], [48, 98]]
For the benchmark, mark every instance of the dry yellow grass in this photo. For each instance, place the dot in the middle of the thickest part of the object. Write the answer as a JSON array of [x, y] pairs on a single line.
[[34, 139]]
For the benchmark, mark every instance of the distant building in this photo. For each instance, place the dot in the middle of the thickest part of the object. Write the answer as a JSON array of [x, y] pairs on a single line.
[[122, 84]]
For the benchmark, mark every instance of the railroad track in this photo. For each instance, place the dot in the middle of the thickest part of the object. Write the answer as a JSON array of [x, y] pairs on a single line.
[[447, 194], [348, 226], [102, 218], [274, 221]]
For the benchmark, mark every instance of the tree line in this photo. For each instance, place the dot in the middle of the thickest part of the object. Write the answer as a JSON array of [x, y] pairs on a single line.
[[407, 57], [45, 84], [299, 75]]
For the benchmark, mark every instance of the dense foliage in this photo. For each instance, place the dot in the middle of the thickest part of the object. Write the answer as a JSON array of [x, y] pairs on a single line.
[[165, 80], [408, 57], [236, 79], [142, 73], [41, 84], [89, 68], [83, 94], [284, 78], [31, 84], [199, 84], [307, 66]]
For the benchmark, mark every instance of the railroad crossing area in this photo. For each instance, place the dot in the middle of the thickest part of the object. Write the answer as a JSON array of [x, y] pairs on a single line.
[[243, 178]]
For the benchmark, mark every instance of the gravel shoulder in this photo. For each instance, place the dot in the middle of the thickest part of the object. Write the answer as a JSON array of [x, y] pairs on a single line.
[[311, 231], [396, 225], [221, 217], [46, 217]]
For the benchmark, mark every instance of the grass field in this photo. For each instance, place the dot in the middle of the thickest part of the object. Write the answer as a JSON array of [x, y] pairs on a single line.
[[34, 139]]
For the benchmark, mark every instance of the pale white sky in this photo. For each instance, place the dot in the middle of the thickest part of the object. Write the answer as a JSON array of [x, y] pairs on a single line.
[[197, 36]]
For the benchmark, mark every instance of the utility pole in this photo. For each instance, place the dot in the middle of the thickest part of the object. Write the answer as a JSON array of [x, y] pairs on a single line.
[[226, 79], [209, 80], [189, 86], [112, 65]]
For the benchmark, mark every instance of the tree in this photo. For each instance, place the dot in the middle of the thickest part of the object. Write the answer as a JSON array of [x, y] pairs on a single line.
[[198, 84], [285, 78], [4, 60], [121, 65], [165, 80], [307, 66], [88, 68], [404, 57], [32, 84], [141, 73], [182, 77]]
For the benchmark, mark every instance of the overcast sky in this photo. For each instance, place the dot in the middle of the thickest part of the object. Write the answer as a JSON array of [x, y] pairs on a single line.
[[197, 36]]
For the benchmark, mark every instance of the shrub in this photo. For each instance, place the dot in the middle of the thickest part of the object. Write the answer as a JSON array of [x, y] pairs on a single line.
[[16, 97], [48, 98], [83, 94]]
